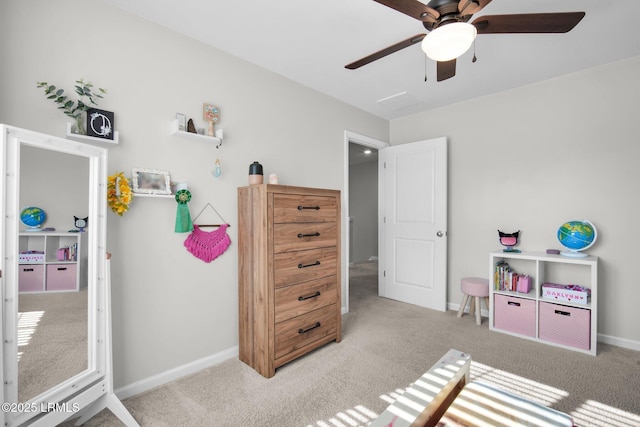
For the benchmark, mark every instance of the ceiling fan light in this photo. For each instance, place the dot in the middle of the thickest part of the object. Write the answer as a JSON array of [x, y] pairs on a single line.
[[449, 41]]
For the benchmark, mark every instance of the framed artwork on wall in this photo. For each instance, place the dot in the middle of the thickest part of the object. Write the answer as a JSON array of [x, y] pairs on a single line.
[[100, 123], [182, 122], [151, 181]]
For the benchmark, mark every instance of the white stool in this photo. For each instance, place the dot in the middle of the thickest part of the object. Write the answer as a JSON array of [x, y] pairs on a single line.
[[475, 287]]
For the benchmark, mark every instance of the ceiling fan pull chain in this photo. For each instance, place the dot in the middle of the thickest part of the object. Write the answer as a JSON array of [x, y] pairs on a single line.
[[474, 53], [425, 68]]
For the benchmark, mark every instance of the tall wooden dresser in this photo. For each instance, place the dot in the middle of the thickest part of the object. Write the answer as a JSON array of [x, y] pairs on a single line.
[[289, 273]]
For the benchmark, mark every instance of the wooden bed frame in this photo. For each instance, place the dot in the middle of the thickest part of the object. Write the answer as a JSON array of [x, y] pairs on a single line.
[[445, 397], [426, 400]]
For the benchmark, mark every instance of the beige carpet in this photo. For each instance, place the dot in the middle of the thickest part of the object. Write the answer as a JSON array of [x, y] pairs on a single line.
[[52, 340], [386, 345]]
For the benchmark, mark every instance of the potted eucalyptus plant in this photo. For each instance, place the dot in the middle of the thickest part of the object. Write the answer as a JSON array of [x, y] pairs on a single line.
[[74, 109]]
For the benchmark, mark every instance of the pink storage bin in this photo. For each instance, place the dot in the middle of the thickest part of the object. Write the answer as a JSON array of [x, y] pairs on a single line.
[[565, 325], [515, 314], [31, 278], [61, 277], [524, 284], [572, 293]]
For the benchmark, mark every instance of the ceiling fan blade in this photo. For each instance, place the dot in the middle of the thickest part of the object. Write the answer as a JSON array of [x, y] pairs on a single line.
[[528, 23], [445, 70], [413, 8], [469, 7], [386, 51]]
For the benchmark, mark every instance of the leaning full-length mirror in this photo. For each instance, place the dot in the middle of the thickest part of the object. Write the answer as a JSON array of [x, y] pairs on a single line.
[[55, 286], [53, 310]]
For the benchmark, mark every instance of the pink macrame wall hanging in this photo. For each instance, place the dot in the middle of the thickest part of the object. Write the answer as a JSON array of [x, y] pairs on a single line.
[[208, 245]]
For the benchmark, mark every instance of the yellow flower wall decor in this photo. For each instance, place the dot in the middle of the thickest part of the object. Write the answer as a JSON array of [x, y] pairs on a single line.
[[119, 193]]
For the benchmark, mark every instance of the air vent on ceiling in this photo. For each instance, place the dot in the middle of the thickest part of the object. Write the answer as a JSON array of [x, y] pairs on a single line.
[[399, 101]]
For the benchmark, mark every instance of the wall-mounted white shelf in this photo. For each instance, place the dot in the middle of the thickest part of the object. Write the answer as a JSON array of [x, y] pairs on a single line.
[[85, 138], [175, 131]]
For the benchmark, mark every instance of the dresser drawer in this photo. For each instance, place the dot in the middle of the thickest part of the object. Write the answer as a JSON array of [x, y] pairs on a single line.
[[298, 332], [301, 266], [293, 237], [292, 301], [299, 208]]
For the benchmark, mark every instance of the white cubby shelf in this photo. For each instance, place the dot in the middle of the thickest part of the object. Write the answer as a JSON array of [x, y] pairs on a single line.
[[566, 324]]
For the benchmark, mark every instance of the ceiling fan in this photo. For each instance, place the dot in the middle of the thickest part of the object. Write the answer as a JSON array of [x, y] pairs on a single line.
[[450, 33]]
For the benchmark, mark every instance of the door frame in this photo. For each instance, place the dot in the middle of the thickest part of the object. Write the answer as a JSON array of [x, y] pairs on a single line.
[[359, 139]]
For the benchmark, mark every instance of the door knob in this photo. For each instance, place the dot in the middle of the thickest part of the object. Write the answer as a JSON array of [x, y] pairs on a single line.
[[439, 234]]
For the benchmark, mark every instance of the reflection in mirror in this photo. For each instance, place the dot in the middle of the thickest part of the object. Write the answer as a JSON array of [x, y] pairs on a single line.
[[52, 299]]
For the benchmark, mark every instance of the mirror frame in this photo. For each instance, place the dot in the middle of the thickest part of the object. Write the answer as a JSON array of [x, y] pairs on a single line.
[[73, 395]]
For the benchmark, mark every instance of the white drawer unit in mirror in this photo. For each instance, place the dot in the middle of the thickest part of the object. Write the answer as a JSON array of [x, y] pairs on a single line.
[[52, 262]]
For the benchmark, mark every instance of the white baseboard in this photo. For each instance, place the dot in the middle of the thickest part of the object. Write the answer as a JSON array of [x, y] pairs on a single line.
[[606, 339], [619, 342], [175, 373], [484, 312]]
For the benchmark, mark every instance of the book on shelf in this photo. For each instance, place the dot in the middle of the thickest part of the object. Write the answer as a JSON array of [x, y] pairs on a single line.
[[506, 279], [68, 253]]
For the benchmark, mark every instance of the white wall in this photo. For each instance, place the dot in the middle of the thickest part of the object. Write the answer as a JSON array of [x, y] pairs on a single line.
[[363, 208], [170, 308], [56, 182], [536, 156]]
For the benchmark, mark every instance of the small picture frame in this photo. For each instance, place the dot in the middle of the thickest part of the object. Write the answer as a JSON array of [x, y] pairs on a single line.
[[151, 181], [100, 123], [210, 113], [182, 122]]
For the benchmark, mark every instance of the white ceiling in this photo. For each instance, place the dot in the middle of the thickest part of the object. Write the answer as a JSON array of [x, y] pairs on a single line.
[[310, 41]]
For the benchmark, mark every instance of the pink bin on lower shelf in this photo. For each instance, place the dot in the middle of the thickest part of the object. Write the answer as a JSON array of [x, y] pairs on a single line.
[[30, 278], [569, 326], [515, 314], [61, 277]]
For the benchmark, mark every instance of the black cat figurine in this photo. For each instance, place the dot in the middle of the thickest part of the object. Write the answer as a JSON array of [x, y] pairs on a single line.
[[509, 240], [80, 223]]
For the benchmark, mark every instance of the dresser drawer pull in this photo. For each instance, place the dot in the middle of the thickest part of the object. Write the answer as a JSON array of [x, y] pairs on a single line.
[[300, 235], [302, 331], [517, 304], [317, 208], [308, 265], [563, 313], [27, 269], [317, 294]]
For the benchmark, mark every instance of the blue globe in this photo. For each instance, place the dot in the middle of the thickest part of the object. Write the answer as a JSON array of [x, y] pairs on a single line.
[[33, 217], [577, 236]]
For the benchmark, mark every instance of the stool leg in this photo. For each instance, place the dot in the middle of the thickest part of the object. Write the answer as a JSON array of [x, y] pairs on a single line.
[[472, 306], [463, 305], [478, 318]]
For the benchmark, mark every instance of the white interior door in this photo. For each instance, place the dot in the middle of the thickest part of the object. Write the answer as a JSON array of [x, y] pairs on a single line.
[[413, 244]]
